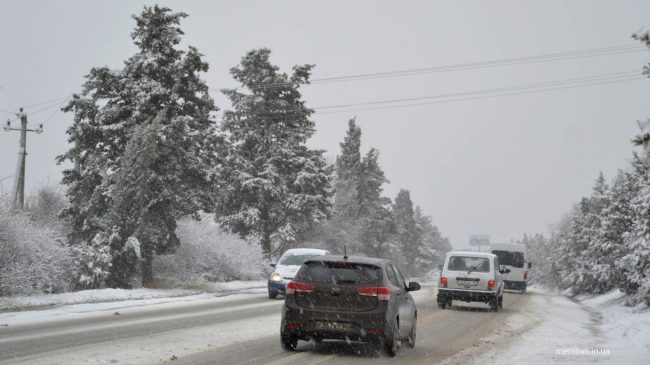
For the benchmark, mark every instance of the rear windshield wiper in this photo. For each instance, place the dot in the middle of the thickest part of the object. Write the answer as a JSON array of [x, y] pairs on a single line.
[[473, 268]]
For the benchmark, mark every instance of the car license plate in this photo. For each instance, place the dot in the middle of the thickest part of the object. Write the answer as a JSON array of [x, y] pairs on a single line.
[[467, 282], [333, 326]]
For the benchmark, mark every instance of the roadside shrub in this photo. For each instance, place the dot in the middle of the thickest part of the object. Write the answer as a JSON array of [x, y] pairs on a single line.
[[207, 253], [33, 258]]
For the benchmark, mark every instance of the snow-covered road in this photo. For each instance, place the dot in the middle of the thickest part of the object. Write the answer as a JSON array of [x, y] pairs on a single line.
[[243, 329]]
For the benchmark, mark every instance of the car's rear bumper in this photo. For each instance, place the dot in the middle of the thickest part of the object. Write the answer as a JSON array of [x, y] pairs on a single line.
[[516, 285], [363, 324], [445, 295]]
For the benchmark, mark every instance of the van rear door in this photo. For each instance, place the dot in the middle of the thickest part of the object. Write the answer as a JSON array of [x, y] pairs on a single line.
[[468, 273]]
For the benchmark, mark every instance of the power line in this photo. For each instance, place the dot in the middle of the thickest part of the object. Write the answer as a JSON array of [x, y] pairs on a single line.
[[51, 106], [524, 86], [47, 101], [558, 56], [485, 96], [471, 95]]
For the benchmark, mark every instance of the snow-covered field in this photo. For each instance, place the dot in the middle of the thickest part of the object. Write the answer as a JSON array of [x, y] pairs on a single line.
[[557, 329], [147, 296]]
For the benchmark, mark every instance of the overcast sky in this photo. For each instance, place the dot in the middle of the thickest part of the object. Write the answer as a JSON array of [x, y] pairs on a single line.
[[500, 166]]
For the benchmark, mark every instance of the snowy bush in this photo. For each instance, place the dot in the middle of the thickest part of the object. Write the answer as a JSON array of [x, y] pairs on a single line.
[[33, 258], [207, 253], [93, 262]]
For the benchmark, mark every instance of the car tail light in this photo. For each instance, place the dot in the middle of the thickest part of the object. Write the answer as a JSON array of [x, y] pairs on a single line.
[[298, 287], [293, 326], [443, 282], [491, 284], [381, 292], [375, 331], [525, 275]]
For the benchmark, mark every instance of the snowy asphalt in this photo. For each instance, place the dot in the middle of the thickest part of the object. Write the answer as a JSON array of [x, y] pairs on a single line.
[[242, 331]]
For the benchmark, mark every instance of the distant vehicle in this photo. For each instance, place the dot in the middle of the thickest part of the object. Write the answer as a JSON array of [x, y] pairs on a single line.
[[513, 256], [349, 298], [471, 276], [287, 267]]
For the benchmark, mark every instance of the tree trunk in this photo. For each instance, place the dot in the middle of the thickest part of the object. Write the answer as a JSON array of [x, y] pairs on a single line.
[[266, 243], [147, 268]]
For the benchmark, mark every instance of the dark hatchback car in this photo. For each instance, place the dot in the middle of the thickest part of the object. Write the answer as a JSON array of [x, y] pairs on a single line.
[[349, 298]]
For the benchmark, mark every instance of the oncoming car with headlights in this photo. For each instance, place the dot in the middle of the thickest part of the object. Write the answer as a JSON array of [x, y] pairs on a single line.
[[287, 267]]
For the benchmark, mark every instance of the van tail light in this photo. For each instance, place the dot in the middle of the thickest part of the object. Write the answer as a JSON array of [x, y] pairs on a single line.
[[299, 287], [491, 284], [381, 292], [443, 282], [375, 331], [293, 326], [525, 275]]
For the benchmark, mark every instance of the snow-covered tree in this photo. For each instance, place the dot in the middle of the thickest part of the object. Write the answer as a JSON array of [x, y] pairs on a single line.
[[112, 106], [273, 185], [409, 235], [348, 169], [432, 247]]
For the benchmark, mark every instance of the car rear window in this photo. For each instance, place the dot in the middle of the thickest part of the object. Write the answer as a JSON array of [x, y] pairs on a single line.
[[512, 258], [297, 260], [339, 273], [467, 263]]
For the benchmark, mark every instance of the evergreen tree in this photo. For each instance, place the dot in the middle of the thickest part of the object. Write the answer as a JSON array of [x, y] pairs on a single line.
[[408, 234], [348, 169], [374, 216], [273, 185], [432, 247], [112, 107]]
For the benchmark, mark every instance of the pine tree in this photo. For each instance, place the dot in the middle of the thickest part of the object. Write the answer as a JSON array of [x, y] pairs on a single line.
[[112, 107], [348, 169], [408, 234], [273, 185]]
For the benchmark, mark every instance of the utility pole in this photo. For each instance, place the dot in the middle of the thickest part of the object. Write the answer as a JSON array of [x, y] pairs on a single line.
[[18, 196]]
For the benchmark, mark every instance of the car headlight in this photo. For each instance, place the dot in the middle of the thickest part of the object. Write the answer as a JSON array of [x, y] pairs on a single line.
[[276, 277]]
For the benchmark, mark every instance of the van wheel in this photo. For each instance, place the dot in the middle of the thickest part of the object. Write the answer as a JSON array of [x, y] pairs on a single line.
[[494, 304], [390, 345], [411, 339], [500, 303], [289, 343]]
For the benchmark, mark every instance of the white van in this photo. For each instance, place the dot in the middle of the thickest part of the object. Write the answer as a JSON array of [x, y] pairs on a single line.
[[513, 256]]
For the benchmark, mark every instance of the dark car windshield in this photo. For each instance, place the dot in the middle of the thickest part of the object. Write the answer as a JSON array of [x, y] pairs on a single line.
[[294, 259], [514, 259], [466, 263], [339, 273]]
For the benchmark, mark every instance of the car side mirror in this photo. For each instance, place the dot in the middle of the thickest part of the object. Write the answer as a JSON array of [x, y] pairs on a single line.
[[439, 267], [413, 286], [530, 265], [273, 264]]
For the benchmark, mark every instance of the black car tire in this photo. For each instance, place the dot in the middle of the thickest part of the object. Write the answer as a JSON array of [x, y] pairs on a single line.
[[390, 344], [500, 303], [494, 304], [273, 295], [289, 343], [412, 336]]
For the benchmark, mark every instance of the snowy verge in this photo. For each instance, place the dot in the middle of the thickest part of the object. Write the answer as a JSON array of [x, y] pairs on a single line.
[[556, 329], [115, 295]]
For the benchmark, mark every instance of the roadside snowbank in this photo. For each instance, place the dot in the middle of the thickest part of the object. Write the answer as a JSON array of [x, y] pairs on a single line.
[[557, 329], [115, 295]]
